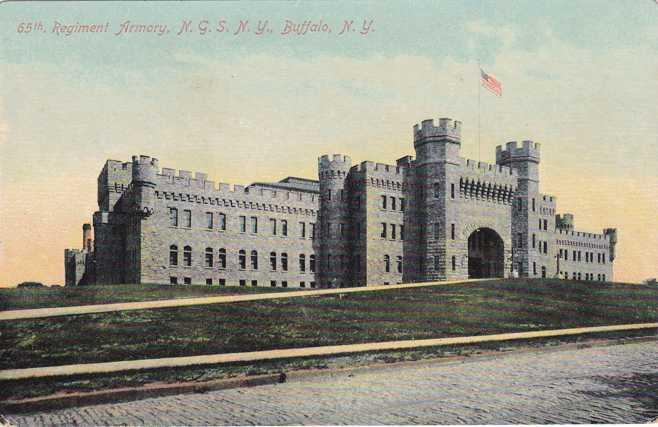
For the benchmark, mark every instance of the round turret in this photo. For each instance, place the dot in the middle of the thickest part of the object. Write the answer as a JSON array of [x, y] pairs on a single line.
[[334, 220], [144, 171]]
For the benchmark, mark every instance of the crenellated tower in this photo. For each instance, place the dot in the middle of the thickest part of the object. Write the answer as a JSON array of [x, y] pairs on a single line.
[[525, 213], [437, 151], [333, 258], [144, 171]]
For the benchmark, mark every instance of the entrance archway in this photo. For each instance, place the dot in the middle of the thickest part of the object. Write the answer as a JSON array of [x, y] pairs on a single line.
[[485, 254]]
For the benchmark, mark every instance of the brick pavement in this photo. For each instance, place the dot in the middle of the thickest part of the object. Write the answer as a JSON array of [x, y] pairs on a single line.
[[613, 384]]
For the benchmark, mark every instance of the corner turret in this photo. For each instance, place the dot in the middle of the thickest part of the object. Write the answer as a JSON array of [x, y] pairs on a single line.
[[144, 173]]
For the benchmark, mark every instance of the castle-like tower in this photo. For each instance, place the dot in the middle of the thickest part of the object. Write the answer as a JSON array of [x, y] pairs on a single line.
[[435, 216]]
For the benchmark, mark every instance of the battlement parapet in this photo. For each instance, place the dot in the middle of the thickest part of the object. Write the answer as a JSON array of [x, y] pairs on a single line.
[[337, 161], [487, 169], [381, 169], [446, 129], [528, 151], [564, 221]]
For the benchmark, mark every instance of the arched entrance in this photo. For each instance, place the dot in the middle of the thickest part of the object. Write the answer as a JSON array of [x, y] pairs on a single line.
[[485, 254]]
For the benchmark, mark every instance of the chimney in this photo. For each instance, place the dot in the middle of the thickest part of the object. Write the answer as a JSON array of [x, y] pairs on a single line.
[[86, 237]]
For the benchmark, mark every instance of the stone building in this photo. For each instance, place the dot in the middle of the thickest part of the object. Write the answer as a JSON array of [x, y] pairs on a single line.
[[435, 216]]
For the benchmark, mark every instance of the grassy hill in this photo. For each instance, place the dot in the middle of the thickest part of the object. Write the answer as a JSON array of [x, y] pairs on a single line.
[[430, 312]]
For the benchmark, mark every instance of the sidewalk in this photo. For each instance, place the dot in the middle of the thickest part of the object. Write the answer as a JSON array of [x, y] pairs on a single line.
[[213, 359], [186, 302]]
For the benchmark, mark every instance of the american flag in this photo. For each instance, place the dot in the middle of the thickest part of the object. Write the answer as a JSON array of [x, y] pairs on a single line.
[[490, 82]]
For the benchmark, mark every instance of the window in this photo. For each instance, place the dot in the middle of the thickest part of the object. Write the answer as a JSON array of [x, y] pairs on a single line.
[[383, 233], [242, 259], [579, 253], [579, 276], [402, 204], [539, 228], [243, 282], [254, 224], [302, 230], [243, 224], [342, 230], [254, 283], [436, 262], [209, 223], [435, 228], [221, 258], [254, 260], [187, 280], [273, 226], [187, 256], [302, 263], [603, 261], [387, 263], [545, 224], [222, 282], [452, 231], [533, 204], [534, 268], [393, 232], [173, 255], [393, 201], [208, 281], [284, 284], [437, 190], [187, 218], [284, 261], [222, 222], [328, 194], [312, 263], [384, 202], [273, 282], [454, 263], [452, 190], [312, 230], [273, 261], [302, 284], [209, 257], [398, 261], [543, 271], [545, 247], [312, 284], [173, 217], [173, 280], [401, 232], [533, 240]]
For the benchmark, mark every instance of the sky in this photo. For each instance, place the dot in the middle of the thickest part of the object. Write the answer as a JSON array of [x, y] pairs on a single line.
[[579, 76]]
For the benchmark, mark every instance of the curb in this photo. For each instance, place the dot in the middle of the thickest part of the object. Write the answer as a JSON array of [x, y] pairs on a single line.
[[56, 402]]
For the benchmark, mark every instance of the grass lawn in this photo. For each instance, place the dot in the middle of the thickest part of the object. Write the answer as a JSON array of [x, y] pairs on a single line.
[[417, 313], [24, 298], [431, 312]]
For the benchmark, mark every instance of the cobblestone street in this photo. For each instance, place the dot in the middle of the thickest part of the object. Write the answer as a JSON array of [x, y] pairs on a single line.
[[616, 384]]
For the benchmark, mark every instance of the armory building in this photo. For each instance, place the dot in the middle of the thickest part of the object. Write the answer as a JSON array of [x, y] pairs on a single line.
[[434, 216]]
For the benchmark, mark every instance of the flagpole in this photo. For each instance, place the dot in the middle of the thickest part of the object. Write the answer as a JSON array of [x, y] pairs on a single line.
[[479, 85]]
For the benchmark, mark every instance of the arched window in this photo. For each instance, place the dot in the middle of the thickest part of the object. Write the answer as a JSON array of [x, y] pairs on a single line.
[[387, 263], [242, 259], [398, 261], [312, 263], [302, 263], [254, 260], [273, 261], [209, 257], [284, 261], [221, 258], [173, 255], [187, 256]]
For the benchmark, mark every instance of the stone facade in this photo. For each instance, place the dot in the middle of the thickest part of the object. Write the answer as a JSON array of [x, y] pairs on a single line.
[[433, 217]]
